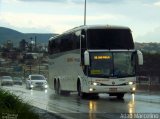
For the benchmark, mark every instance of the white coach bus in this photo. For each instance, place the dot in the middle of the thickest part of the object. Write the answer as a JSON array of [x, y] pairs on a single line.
[[94, 59]]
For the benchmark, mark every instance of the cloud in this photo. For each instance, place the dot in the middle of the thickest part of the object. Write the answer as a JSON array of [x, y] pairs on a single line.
[[57, 23], [152, 36], [43, 0], [10, 1], [157, 4], [90, 1], [54, 23], [76, 1]]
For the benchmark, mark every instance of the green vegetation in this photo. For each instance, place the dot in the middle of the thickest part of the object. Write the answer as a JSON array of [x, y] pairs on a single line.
[[151, 66], [12, 106]]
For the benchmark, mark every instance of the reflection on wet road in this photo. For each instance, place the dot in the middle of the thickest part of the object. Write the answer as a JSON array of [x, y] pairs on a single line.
[[71, 106]]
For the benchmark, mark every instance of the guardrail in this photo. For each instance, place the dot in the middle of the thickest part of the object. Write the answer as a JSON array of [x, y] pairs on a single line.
[[148, 83], [25, 71]]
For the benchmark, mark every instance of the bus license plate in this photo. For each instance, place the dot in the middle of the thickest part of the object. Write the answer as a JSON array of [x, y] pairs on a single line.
[[113, 89]]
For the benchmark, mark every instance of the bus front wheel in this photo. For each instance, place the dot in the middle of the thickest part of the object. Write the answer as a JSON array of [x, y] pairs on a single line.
[[120, 95], [80, 93]]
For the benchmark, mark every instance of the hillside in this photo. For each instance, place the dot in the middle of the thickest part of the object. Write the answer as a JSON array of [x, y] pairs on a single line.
[[148, 47], [16, 36]]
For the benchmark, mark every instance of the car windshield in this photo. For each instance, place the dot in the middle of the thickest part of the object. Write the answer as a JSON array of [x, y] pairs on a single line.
[[37, 78], [6, 77], [17, 78]]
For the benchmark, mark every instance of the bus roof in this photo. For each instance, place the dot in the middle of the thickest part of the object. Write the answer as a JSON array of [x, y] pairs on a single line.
[[96, 27], [85, 27]]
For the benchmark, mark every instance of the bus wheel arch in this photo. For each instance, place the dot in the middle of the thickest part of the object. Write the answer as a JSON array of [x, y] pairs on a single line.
[[59, 90], [79, 89]]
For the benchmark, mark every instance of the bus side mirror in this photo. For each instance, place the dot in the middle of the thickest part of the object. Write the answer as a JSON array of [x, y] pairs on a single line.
[[86, 58], [140, 57]]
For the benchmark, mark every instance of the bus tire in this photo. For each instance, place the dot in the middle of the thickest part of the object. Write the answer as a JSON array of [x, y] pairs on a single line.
[[65, 93], [55, 84], [58, 87], [94, 96], [120, 95], [80, 93]]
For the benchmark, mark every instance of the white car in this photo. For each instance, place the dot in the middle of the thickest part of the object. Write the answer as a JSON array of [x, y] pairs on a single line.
[[6, 80], [17, 80], [36, 81]]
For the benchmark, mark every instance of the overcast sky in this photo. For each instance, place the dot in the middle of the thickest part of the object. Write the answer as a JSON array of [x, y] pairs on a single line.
[[57, 16]]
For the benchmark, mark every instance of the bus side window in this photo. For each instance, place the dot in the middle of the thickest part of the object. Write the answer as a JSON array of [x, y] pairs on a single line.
[[49, 48], [55, 45], [66, 43]]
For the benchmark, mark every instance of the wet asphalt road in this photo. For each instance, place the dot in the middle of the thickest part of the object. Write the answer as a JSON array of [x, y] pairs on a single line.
[[73, 107]]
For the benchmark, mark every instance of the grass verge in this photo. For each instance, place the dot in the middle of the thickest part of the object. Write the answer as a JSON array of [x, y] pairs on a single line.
[[11, 106]]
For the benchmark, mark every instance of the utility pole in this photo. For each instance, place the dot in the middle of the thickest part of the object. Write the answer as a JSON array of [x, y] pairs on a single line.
[[85, 13]]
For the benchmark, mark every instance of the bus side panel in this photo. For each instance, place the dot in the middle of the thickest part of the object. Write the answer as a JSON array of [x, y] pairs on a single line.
[[65, 67]]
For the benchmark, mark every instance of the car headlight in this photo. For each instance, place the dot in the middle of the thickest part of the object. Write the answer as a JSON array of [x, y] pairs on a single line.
[[32, 86], [130, 83], [91, 89], [46, 86]]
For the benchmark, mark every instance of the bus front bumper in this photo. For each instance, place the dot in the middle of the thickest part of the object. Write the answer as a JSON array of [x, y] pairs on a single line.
[[112, 89]]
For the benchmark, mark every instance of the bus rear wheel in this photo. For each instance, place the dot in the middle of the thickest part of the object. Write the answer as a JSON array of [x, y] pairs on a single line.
[[57, 87], [59, 91]]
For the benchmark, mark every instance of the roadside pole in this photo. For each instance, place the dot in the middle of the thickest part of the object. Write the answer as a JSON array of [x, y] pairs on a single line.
[[85, 13]]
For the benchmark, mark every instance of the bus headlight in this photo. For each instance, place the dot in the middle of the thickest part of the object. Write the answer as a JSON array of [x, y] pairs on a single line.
[[95, 83]]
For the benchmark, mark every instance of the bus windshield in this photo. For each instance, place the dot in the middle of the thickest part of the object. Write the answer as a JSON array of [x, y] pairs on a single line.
[[109, 39], [112, 64]]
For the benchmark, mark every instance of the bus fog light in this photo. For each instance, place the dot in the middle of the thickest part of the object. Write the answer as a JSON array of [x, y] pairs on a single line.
[[32, 86]]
